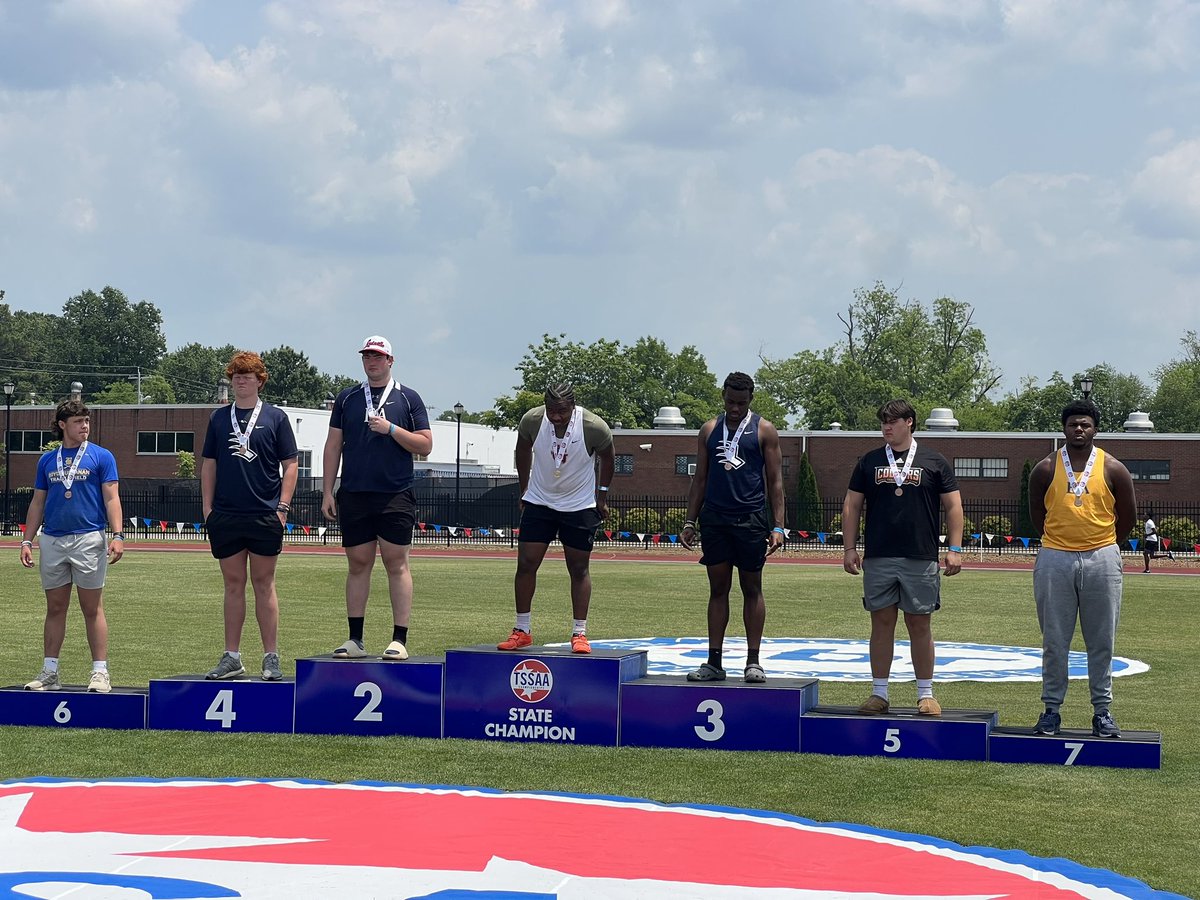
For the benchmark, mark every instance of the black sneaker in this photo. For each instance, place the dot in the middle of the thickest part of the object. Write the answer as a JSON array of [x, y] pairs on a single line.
[[1049, 722], [1104, 726]]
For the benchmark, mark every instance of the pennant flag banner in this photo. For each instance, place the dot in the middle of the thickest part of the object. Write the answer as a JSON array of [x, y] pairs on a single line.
[[133, 521], [196, 525], [1133, 544], [321, 531], [1025, 541], [179, 528]]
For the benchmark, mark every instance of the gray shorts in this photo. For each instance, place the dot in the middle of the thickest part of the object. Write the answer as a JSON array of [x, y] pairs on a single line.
[[914, 584], [78, 558]]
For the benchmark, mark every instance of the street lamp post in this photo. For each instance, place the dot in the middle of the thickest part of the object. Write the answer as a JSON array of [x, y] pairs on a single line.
[[1085, 385], [9, 389], [459, 409]]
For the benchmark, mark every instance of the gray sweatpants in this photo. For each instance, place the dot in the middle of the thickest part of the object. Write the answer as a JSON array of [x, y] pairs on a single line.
[[1086, 584]]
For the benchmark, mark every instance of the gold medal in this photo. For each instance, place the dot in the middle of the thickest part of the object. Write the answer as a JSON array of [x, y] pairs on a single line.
[[67, 494], [558, 473], [728, 467], [1079, 500], [899, 492]]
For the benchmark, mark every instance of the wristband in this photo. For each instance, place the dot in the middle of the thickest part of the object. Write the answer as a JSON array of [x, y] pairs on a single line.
[[603, 488], [846, 550], [26, 543], [391, 428], [689, 524], [283, 507], [119, 536], [954, 549], [779, 530]]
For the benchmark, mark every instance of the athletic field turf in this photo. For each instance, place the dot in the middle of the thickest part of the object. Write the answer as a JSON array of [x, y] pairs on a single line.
[[164, 611]]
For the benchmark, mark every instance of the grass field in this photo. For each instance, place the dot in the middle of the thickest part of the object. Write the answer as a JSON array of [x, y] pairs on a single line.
[[164, 615]]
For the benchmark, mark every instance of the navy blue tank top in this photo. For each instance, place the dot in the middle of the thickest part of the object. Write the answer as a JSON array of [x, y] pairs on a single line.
[[739, 489]]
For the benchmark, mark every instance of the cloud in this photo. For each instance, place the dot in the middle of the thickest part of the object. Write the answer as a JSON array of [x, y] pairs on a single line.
[[1164, 196]]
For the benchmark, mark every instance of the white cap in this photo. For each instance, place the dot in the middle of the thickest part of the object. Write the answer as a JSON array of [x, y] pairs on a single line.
[[377, 344]]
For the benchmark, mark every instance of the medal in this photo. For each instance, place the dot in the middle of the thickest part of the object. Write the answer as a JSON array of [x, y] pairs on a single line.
[[731, 444], [1078, 487], [372, 409], [900, 475], [558, 446], [67, 478], [243, 438]]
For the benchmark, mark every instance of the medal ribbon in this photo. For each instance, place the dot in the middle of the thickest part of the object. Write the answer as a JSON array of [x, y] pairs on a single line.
[[66, 479], [243, 438], [1077, 487], [372, 410], [558, 446], [731, 445], [901, 475]]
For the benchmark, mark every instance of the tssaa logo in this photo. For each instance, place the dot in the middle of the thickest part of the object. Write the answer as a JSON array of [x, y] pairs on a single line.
[[194, 840], [531, 680]]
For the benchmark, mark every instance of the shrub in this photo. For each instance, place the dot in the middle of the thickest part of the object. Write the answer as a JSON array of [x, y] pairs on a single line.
[[641, 519], [835, 524], [1181, 531], [997, 526], [672, 521]]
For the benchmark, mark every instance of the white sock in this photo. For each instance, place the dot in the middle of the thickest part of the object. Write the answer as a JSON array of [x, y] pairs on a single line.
[[579, 626], [236, 654], [100, 665], [924, 688], [524, 620], [879, 687], [50, 663]]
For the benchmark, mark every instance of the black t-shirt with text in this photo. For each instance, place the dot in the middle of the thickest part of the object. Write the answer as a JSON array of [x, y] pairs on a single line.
[[908, 525]]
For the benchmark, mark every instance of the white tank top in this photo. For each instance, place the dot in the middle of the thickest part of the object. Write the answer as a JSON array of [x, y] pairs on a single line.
[[562, 475]]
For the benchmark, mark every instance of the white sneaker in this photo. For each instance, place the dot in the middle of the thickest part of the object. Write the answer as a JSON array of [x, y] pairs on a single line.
[[46, 681], [99, 683]]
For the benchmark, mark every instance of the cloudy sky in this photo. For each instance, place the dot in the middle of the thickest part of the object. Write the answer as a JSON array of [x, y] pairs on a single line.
[[463, 177]]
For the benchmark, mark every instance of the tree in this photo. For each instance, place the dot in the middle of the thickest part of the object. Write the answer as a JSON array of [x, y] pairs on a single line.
[[1024, 520], [292, 379], [1115, 394], [1176, 403], [104, 333], [194, 370], [116, 393], [932, 357], [185, 464], [809, 514], [625, 386], [1034, 408], [448, 415]]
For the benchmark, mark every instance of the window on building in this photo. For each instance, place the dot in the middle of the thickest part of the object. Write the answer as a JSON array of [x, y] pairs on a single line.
[[685, 464], [1149, 469], [304, 464], [786, 469], [976, 467], [171, 442], [624, 464], [29, 441]]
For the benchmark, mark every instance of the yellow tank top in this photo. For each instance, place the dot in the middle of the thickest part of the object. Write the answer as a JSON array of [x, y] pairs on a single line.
[[1087, 527]]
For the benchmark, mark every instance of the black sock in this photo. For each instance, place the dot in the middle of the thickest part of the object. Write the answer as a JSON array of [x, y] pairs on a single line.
[[400, 633], [752, 657], [714, 657], [356, 627]]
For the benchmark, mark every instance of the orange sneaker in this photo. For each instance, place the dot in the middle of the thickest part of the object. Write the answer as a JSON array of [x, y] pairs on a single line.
[[516, 640], [579, 644]]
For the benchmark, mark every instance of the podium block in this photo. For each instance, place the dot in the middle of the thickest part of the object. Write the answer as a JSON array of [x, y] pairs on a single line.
[[1077, 747], [192, 703], [840, 730], [73, 707], [537, 694], [369, 696], [669, 711]]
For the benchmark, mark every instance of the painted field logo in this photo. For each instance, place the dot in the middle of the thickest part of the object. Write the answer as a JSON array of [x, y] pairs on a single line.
[[839, 659], [531, 680]]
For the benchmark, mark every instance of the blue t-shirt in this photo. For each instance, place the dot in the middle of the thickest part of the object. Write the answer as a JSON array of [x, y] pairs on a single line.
[[740, 489], [249, 485], [375, 462], [85, 511]]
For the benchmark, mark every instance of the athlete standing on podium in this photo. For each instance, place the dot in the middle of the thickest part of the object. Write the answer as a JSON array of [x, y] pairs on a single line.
[[903, 486], [1082, 501], [558, 445], [738, 466], [375, 428], [75, 495], [248, 474]]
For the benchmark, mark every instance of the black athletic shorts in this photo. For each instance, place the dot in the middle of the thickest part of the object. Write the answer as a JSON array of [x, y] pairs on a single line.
[[741, 540], [229, 534], [368, 515], [577, 530]]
